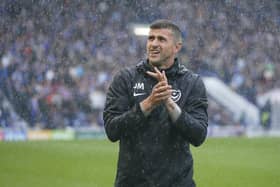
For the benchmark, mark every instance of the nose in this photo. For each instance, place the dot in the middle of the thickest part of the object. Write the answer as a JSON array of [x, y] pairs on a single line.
[[154, 43]]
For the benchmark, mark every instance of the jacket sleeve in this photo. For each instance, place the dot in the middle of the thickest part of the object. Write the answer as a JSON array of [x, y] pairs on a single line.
[[193, 121], [121, 117]]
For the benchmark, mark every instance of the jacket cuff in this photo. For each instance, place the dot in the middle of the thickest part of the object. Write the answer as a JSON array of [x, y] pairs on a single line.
[[181, 120]]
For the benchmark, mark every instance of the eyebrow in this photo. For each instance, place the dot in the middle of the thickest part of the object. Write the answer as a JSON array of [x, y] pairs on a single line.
[[159, 37]]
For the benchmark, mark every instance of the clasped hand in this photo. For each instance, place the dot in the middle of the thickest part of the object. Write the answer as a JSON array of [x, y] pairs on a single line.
[[161, 91]]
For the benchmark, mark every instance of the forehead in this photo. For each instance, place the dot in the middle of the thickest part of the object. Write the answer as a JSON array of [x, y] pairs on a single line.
[[167, 33]]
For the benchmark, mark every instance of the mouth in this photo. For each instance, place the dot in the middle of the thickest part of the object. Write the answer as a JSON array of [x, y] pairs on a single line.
[[154, 52]]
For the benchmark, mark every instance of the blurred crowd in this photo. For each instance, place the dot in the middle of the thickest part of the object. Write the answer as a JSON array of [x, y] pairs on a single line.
[[58, 57]]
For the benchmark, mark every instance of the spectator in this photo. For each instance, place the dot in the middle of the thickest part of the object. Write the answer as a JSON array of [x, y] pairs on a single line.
[[80, 43]]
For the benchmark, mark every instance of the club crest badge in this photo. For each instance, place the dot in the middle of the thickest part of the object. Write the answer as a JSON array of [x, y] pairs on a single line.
[[175, 95]]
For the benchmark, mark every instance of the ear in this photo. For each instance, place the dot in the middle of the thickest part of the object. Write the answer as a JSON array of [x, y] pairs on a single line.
[[178, 46]]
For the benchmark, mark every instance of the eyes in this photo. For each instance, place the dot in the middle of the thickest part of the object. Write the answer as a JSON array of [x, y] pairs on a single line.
[[159, 38]]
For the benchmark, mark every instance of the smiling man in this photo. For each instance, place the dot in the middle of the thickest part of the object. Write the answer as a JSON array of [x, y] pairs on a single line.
[[156, 110], [163, 44]]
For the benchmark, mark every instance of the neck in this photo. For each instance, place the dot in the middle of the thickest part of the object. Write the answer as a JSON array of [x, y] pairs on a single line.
[[163, 65]]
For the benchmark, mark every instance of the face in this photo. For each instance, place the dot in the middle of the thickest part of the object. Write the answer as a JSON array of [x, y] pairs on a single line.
[[162, 48]]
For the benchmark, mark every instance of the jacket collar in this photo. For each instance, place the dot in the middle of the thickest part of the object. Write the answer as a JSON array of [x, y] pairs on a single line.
[[176, 69]]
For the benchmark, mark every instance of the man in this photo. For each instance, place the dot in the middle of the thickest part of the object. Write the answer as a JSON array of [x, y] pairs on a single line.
[[156, 110]]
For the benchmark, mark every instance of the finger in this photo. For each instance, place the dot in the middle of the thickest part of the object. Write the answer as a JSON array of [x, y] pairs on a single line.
[[161, 83], [152, 74], [163, 88], [161, 77], [156, 70], [164, 76], [165, 92], [162, 97]]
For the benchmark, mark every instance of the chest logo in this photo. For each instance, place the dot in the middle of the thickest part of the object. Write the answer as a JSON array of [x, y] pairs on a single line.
[[138, 89], [139, 86], [175, 95]]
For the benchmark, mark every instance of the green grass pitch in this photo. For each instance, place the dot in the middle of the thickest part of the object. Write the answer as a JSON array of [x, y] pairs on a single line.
[[219, 162]]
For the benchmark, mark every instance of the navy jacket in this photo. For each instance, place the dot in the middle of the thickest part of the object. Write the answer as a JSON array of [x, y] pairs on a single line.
[[154, 151]]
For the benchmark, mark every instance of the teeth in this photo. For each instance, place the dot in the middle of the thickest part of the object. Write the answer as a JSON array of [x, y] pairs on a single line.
[[154, 52]]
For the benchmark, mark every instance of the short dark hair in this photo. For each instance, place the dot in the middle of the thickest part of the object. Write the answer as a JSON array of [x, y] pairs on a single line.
[[166, 24]]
